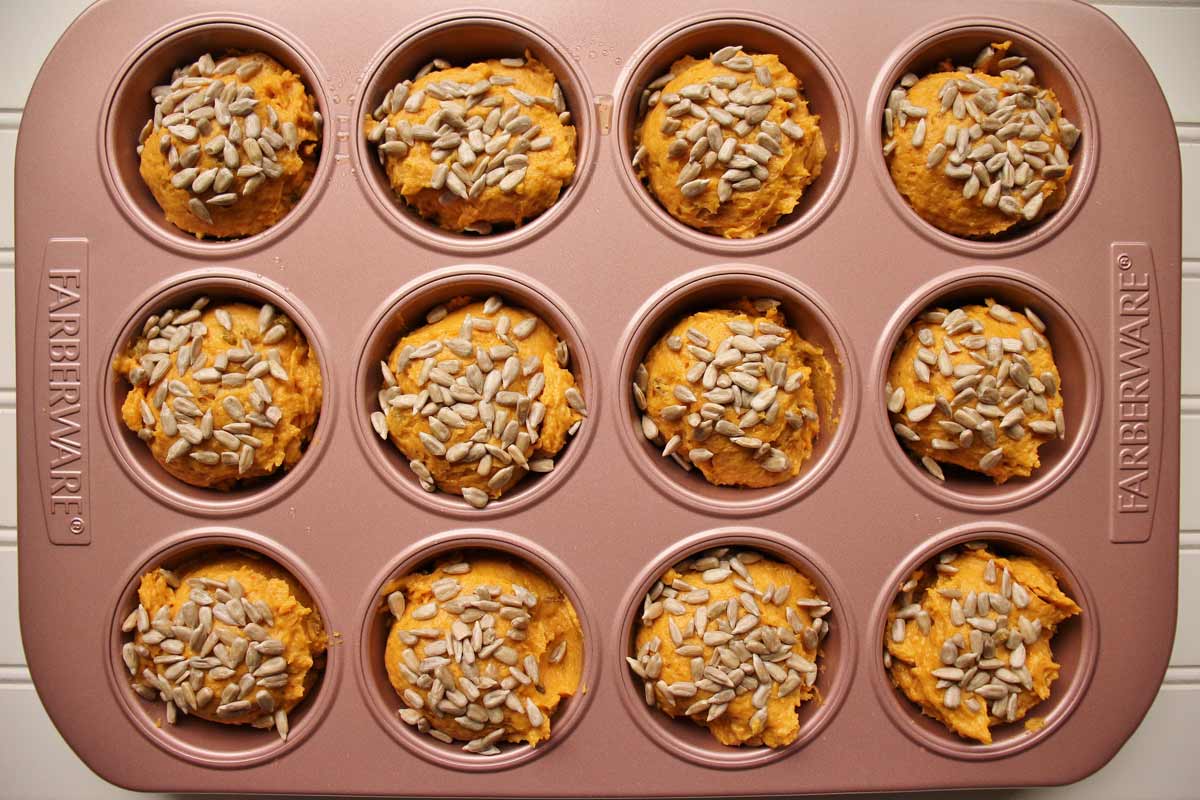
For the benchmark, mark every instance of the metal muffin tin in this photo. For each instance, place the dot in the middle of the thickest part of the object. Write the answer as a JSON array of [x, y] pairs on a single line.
[[609, 269]]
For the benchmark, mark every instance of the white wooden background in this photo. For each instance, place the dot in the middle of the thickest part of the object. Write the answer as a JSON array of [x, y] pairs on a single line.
[[1160, 762]]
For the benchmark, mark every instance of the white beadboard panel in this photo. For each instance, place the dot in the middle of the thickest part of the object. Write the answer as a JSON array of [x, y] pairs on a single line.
[[8, 161], [8, 468], [1158, 763], [1189, 156], [27, 38], [8, 327], [11, 652], [1168, 39], [1189, 468], [1186, 652], [1190, 347], [35, 762]]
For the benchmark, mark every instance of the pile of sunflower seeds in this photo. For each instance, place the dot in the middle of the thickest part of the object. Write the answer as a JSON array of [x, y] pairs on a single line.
[[218, 634], [730, 651], [732, 386], [174, 349], [479, 134], [471, 395], [702, 115], [983, 662], [208, 125], [1006, 151], [995, 388], [471, 672]]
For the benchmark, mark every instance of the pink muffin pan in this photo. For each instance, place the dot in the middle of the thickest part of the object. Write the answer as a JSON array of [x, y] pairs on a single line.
[[609, 269]]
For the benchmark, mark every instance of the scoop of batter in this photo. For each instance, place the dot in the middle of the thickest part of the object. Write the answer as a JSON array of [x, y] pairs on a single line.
[[223, 393], [731, 641], [228, 637], [727, 144], [482, 649], [232, 145], [968, 638], [977, 387], [477, 147], [478, 397], [979, 151], [735, 393]]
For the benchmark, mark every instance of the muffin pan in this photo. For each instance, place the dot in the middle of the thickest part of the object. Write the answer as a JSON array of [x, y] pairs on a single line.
[[607, 268]]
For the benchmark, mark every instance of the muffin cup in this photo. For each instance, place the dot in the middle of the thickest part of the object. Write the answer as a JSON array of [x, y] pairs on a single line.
[[134, 455], [821, 84], [200, 741], [1074, 355], [1075, 645], [405, 311], [127, 106], [691, 742], [464, 38], [960, 41], [381, 697], [806, 314]]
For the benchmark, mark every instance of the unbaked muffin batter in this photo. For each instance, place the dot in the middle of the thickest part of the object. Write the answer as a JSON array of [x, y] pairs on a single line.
[[727, 144], [229, 637], [232, 145], [736, 394], [478, 397], [968, 638], [978, 151], [223, 393], [482, 649], [731, 640], [479, 147], [977, 387]]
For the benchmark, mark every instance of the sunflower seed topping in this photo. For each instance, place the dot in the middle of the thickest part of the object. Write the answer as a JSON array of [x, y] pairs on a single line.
[[730, 653], [985, 397], [1014, 119], [206, 120], [983, 655]]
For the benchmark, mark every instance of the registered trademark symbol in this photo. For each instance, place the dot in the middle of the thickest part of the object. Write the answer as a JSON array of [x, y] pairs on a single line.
[[77, 525], [1124, 260]]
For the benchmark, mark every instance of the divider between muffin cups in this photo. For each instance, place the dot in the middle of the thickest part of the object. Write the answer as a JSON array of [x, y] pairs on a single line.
[[127, 106], [822, 84], [470, 35], [405, 310], [134, 457], [1069, 336], [687, 741], [197, 741], [1078, 648], [807, 313], [964, 37], [380, 695]]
